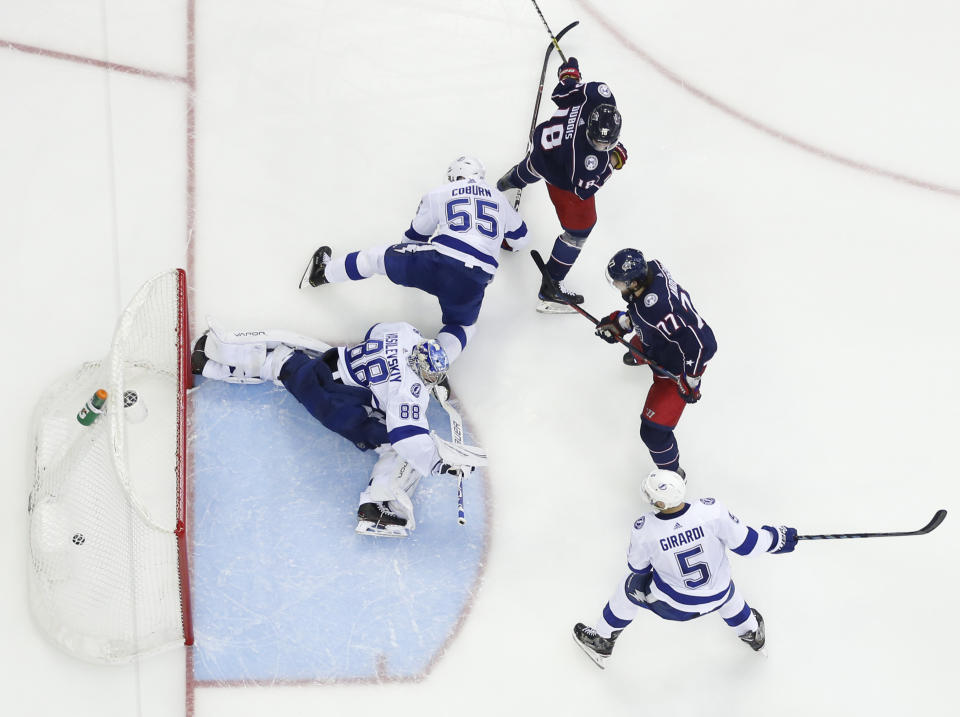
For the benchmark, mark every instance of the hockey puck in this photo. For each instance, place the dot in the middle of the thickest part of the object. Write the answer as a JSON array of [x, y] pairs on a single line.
[[78, 539]]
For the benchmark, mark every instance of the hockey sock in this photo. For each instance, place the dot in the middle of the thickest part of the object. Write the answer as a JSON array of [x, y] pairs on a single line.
[[738, 615], [566, 249], [356, 265], [453, 338], [662, 445], [617, 613]]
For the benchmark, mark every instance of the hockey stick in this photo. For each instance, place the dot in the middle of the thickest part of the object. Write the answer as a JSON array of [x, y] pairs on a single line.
[[456, 433], [543, 75], [538, 260], [550, 32], [929, 527]]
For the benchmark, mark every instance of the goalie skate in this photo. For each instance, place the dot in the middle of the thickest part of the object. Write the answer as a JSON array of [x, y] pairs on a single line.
[[376, 520]]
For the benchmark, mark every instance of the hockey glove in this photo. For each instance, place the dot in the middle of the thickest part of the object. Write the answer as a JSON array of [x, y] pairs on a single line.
[[611, 328], [441, 469], [618, 156], [689, 388], [786, 539], [569, 70]]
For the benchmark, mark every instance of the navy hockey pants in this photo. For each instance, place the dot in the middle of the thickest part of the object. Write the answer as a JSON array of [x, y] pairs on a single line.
[[342, 409], [459, 289]]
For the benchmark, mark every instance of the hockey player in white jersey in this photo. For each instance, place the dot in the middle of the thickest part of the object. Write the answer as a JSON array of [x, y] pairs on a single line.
[[679, 569], [375, 394], [451, 250]]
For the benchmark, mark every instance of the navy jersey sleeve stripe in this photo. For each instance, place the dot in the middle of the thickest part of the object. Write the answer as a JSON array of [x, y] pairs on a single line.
[[748, 544], [401, 432]]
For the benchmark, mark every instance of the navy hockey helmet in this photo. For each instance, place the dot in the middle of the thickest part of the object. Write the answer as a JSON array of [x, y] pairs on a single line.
[[466, 167], [430, 361], [603, 127], [625, 267]]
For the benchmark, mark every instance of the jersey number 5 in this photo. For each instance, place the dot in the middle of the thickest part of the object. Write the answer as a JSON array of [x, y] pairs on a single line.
[[688, 568]]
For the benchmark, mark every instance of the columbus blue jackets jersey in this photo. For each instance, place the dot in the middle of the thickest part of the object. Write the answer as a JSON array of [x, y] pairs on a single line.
[[673, 333], [561, 154]]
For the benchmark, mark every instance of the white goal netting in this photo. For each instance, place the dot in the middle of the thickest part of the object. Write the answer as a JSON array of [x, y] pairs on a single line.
[[107, 569]]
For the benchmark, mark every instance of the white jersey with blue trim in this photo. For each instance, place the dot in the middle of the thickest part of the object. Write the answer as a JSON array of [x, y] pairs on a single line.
[[686, 552], [468, 220], [380, 365]]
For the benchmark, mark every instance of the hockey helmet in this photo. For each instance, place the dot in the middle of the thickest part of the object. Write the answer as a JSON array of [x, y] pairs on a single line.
[[603, 127], [430, 361], [664, 489], [625, 267], [466, 167]]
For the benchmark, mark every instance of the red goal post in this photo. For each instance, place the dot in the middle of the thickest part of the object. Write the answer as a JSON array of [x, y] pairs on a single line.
[[108, 566]]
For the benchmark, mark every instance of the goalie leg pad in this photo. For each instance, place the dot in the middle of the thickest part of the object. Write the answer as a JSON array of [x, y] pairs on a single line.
[[390, 482]]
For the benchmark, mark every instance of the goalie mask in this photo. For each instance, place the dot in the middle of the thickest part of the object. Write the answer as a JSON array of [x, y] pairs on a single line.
[[430, 361], [664, 489], [466, 167]]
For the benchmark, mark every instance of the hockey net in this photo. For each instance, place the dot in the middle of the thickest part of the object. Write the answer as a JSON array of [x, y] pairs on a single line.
[[107, 512]]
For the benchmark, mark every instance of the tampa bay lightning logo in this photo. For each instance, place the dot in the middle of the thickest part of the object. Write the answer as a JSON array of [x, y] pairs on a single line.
[[708, 501], [639, 523], [591, 162], [415, 390]]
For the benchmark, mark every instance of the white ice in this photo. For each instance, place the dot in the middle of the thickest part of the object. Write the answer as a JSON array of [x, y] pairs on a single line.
[[831, 404]]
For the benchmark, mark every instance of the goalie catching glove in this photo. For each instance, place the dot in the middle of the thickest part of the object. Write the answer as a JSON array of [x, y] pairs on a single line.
[[612, 328]]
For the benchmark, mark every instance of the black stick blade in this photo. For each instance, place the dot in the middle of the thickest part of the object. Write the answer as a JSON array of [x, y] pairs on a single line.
[[934, 521], [938, 518]]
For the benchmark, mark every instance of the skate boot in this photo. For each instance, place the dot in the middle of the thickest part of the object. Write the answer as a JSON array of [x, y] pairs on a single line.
[[314, 273], [597, 648], [378, 520], [555, 299], [755, 638], [198, 359]]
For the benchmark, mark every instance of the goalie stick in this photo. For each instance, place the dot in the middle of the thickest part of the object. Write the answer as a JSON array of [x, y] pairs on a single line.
[[538, 260], [456, 432], [929, 527], [554, 42]]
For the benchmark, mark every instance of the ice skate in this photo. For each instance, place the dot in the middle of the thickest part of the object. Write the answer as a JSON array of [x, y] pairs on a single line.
[[377, 520], [198, 359], [755, 638], [555, 299], [597, 648], [316, 269]]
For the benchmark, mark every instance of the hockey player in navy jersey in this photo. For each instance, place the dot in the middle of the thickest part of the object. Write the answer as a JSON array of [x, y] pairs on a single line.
[[574, 152], [451, 250], [678, 567], [375, 394], [670, 332]]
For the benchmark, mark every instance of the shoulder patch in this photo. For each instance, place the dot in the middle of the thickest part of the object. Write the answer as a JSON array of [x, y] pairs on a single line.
[[604, 90], [591, 162], [708, 501], [415, 390], [649, 299], [639, 523], [734, 518]]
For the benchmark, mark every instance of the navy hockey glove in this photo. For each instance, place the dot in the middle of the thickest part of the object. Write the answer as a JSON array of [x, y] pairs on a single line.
[[689, 388], [569, 70], [610, 328], [440, 469], [786, 539], [618, 156]]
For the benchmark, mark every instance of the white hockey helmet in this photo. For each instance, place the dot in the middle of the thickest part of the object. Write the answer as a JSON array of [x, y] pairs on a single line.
[[466, 167], [430, 361], [664, 489]]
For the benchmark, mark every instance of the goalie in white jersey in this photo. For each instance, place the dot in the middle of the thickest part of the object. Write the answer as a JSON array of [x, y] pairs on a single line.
[[451, 250], [679, 567], [375, 394]]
